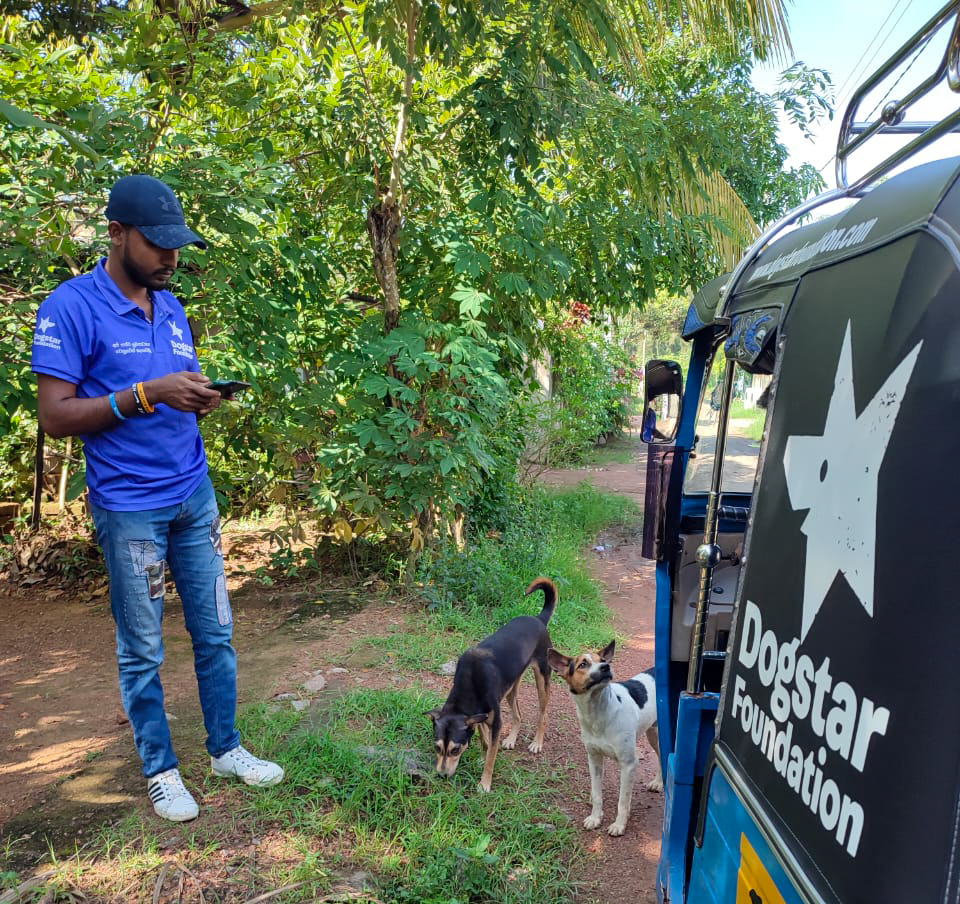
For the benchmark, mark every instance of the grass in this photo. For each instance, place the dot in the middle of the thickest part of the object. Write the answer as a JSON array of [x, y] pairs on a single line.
[[756, 417], [428, 839], [361, 810], [619, 450], [360, 799]]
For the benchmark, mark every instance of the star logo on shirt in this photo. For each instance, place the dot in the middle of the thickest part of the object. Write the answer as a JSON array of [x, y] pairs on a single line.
[[44, 325], [834, 476], [177, 332]]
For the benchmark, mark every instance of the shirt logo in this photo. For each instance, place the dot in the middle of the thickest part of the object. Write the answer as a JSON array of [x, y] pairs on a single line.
[[42, 340], [177, 343], [127, 347]]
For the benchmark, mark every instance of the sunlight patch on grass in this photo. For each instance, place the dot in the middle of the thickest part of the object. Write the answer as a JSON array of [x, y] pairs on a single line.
[[751, 420], [361, 804], [431, 839], [619, 450]]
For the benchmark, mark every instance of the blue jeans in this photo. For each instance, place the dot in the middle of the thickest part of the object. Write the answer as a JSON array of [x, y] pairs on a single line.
[[138, 546]]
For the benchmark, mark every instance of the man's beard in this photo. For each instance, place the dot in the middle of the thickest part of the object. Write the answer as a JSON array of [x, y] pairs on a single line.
[[149, 279]]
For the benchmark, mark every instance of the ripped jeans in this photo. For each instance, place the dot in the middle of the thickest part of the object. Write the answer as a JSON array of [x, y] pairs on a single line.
[[138, 546]]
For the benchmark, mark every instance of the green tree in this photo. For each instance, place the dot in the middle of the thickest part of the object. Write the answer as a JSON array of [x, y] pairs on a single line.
[[397, 193]]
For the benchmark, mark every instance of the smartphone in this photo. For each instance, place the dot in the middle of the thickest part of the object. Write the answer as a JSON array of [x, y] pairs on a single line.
[[228, 387]]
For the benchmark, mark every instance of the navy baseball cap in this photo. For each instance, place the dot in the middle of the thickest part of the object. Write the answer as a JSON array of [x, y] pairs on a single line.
[[153, 208]]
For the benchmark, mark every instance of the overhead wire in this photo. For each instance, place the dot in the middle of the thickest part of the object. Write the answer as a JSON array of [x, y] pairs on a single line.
[[856, 66], [879, 47], [909, 66]]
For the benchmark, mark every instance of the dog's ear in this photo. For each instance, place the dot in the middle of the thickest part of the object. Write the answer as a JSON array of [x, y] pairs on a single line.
[[606, 654], [478, 719], [434, 714], [558, 662]]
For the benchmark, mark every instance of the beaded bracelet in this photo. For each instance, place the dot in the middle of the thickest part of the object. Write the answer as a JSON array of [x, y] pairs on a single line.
[[141, 393], [116, 408]]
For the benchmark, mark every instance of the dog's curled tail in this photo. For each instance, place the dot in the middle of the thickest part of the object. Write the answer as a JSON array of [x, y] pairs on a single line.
[[549, 597]]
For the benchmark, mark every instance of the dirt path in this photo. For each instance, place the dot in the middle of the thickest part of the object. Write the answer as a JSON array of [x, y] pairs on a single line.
[[67, 763], [625, 868], [67, 760]]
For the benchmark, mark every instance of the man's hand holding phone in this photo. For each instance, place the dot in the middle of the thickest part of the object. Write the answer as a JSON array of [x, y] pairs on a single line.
[[190, 391], [183, 390], [229, 388]]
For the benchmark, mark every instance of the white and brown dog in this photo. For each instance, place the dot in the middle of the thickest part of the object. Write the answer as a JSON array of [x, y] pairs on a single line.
[[611, 715]]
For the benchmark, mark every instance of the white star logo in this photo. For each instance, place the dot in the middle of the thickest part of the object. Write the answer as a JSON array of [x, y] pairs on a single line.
[[177, 332], [45, 324], [835, 476]]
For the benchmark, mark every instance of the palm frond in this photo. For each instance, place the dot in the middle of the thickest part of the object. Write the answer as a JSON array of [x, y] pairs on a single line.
[[623, 29], [719, 211]]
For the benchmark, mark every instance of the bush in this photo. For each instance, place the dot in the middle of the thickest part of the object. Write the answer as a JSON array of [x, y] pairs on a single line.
[[591, 391], [543, 534]]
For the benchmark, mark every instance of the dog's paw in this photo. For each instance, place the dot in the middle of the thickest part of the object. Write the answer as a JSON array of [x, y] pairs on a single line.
[[616, 829], [509, 743], [593, 822], [655, 784], [535, 746], [484, 786]]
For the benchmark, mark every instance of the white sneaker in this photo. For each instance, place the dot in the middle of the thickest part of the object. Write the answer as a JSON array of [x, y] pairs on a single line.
[[170, 798], [244, 765]]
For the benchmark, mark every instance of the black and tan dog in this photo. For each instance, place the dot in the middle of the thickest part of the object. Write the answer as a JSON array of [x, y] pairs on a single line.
[[485, 675]]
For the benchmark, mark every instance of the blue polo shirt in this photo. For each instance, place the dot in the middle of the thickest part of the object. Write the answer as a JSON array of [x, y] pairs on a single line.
[[90, 334]]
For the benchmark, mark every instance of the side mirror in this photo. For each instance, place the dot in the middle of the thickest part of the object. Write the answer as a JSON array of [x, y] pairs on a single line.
[[662, 395]]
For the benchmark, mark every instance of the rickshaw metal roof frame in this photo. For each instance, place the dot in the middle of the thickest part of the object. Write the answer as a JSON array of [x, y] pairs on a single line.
[[948, 71], [853, 134]]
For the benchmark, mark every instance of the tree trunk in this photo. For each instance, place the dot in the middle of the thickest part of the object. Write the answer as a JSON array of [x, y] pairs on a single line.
[[458, 527], [383, 219], [424, 525], [64, 476], [383, 227], [38, 481]]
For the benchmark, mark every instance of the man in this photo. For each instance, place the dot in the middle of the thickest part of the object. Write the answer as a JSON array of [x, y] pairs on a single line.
[[115, 365]]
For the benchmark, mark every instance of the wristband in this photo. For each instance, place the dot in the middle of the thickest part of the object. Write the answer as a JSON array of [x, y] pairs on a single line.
[[116, 408], [141, 393], [136, 400]]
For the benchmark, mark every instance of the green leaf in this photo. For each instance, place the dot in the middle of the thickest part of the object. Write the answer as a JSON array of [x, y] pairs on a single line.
[[513, 283], [368, 433], [23, 120], [376, 385], [472, 302]]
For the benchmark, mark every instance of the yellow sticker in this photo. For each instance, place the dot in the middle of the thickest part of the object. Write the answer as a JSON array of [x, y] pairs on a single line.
[[754, 885]]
